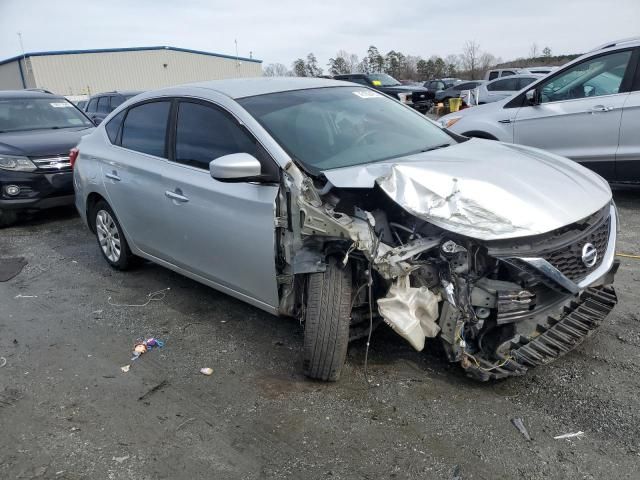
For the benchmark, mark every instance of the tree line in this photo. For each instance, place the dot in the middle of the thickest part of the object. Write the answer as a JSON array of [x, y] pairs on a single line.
[[471, 63]]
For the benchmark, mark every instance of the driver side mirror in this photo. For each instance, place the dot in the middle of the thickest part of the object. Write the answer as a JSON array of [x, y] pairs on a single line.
[[533, 96], [236, 167]]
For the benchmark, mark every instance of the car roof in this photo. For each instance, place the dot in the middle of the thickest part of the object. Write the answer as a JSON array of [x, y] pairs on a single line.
[[250, 87], [118, 92], [7, 94], [518, 75]]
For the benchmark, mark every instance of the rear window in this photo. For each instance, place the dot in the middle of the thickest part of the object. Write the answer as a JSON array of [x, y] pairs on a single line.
[[145, 127], [113, 127], [103, 105]]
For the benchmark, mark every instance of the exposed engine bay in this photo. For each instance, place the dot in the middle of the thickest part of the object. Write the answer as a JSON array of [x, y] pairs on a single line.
[[499, 306]]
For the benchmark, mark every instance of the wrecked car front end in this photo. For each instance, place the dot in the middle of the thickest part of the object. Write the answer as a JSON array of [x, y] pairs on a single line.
[[499, 306], [504, 253]]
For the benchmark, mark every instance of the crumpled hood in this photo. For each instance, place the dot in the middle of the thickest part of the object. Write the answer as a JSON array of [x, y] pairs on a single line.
[[485, 189]]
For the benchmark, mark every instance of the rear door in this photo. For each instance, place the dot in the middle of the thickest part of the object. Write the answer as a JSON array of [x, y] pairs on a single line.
[[580, 112], [133, 176], [221, 231], [500, 89]]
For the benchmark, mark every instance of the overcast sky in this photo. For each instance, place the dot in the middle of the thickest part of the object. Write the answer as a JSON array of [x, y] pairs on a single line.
[[282, 30]]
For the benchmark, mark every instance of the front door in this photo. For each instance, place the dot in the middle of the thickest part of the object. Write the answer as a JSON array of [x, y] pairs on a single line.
[[579, 112], [222, 231]]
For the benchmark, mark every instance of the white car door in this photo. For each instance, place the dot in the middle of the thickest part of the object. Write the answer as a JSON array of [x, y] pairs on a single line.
[[223, 232], [499, 89], [579, 112]]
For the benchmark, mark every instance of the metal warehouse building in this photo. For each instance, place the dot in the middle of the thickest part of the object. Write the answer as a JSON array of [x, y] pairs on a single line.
[[86, 72]]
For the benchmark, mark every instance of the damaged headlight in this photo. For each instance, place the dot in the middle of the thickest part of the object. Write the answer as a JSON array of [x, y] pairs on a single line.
[[16, 163], [405, 98]]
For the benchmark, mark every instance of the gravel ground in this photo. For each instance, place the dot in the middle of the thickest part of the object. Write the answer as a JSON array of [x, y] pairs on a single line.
[[67, 411]]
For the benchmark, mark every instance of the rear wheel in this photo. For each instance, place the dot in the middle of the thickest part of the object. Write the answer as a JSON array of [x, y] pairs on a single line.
[[113, 245], [8, 218], [327, 317]]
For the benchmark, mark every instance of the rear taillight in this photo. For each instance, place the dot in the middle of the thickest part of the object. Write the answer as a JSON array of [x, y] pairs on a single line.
[[73, 156]]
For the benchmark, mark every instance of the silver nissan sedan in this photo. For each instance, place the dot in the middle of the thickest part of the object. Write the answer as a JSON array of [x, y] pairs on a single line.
[[337, 205]]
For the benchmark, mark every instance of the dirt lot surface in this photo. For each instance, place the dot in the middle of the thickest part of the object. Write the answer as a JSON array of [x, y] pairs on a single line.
[[67, 411]]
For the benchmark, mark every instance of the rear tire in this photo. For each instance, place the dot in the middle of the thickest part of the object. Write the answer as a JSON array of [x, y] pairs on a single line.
[[111, 240], [327, 318], [8, 218]]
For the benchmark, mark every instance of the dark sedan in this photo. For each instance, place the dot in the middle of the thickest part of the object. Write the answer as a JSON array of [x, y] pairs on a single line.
[[37, 130]]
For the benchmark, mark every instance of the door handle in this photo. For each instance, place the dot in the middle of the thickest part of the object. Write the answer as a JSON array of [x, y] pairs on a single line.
[[177, 196], [113, 176], [601, 108]]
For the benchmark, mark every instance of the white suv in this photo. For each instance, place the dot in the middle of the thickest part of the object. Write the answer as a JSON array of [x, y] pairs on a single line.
[[589, 111]]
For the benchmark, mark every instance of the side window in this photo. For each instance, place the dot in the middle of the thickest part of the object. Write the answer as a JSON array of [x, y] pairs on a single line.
[[116, 101], [466, 86], [145, 127], [507, 73], [113, 127], [594, 77], [93, 105], [103, 105], [204, 133], [503, 85], [523, 82], [493, 75], [360, 80]]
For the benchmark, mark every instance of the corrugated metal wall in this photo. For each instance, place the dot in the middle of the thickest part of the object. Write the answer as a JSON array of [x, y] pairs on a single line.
[[10, 76], [90, 73]]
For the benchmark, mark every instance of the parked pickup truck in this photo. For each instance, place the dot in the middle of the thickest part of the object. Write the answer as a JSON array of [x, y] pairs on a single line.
[[414, 96]]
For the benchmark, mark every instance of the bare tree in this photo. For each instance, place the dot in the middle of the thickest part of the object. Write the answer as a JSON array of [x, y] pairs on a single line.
[[276, 70], [534, 51], [470, 56]]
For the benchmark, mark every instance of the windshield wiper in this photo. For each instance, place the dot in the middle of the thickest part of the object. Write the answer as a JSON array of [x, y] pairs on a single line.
[[443, 145]]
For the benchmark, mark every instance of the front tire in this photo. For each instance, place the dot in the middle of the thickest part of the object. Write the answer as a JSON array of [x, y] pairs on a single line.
[[327, 318], [111, 240]]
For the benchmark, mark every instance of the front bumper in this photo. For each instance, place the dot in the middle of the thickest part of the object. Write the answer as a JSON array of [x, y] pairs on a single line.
[[37, 190], [422, 107]]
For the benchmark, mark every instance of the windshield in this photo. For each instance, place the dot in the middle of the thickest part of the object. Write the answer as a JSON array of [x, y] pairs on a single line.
[[336, 127], [20, 114], [382, 80]]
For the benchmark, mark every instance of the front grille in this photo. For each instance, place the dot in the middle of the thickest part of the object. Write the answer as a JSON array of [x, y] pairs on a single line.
[[419, 97], [58, 163], [568, 259]]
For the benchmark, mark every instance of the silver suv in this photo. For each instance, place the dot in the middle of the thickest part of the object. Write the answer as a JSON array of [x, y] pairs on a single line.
[[333, 203], [588, 111]]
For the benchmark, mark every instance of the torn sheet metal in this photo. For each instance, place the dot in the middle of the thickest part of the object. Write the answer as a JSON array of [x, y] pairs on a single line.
[[485, 190], [411, 312]]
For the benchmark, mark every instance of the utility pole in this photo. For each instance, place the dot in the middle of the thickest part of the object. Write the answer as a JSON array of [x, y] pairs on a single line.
[[237, 60], [24, 58]]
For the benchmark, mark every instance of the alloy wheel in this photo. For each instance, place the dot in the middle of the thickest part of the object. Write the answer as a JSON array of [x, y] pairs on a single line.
[[108, 235]]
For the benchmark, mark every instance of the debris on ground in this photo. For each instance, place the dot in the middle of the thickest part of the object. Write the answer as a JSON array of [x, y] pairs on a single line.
[[153, 389], [568, 435], [519, 424], [25, 296], [143, 346], [126, 368], [3, 362], [121, 459], [206, 371], [151, 297]]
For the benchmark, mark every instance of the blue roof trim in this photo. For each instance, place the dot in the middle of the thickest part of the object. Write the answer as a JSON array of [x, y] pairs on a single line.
[[131, 49]]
